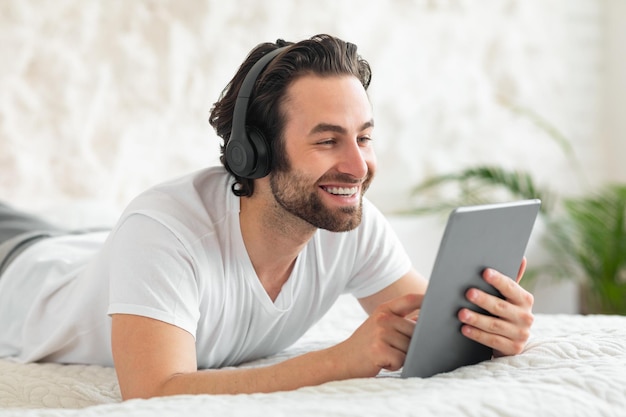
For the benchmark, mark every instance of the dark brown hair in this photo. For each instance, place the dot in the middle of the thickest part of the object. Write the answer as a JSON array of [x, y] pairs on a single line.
[[322, 55]]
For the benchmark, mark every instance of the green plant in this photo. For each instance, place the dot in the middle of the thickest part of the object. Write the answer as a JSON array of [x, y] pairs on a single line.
[[478, 185], [586, 239]]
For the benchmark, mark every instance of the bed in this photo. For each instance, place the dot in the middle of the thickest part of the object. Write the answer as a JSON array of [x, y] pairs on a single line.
[[572, 365]]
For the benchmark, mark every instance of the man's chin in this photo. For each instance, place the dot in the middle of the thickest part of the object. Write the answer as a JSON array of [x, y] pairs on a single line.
[[342, 224], [347, 228]]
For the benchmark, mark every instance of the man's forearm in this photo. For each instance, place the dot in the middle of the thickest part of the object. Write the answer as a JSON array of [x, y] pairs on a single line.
[[310, 369], [153, 358]]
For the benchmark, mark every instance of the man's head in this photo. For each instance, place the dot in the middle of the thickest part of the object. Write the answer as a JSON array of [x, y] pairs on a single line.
[[328, 140], [322, 55]]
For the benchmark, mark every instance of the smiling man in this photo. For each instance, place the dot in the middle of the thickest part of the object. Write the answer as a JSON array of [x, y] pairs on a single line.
[[235, 263]]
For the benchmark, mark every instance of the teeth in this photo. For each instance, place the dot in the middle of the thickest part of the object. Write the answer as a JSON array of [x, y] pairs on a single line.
[[342, 190]]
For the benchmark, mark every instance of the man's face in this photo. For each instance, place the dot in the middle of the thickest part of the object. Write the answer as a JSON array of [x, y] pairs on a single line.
[[327, 138]]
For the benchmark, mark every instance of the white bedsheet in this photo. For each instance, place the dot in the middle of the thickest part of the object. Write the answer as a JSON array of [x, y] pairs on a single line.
[[573, 365]]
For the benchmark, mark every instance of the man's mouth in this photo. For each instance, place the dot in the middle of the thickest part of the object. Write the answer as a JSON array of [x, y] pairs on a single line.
[[341, 191]]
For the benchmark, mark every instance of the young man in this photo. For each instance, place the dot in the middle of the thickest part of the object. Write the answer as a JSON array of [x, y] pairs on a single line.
[[228, 265]]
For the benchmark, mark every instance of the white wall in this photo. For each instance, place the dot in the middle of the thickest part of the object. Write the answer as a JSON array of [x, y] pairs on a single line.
[[99, 100], [102, 99], [615, 89]]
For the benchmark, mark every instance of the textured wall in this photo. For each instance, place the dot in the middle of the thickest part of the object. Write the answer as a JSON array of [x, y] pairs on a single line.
[[99, 100], [613, 120]]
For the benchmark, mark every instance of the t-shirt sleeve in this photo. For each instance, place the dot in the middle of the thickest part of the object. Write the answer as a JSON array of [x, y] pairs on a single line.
[[381, 259], [152, 274]]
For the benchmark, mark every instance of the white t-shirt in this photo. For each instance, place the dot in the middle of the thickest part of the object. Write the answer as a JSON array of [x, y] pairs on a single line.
[[177, 255]]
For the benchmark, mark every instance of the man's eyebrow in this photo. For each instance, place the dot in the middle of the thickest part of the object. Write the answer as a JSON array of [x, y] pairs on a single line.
[[329, 127]]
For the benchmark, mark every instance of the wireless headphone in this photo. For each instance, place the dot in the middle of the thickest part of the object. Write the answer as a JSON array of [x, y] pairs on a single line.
[[248, 153]]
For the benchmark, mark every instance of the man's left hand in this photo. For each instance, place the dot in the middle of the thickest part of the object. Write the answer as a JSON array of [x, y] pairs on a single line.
[[508, 330]]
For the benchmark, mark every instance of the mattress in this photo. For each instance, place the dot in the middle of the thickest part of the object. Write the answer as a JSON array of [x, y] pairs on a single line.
[[572, 365]]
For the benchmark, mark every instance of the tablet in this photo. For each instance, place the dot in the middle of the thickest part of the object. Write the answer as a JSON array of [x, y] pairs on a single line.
[[476, 237]]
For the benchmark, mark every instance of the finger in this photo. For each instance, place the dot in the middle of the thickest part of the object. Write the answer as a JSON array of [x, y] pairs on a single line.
[[502, 345], [392, 315], [522, 269], [391, 338], [505, 309], [413, 316], [504, 337], [495, 325], [402, 326], [393, 361], [509, 289], [399, 340], [404, 305]]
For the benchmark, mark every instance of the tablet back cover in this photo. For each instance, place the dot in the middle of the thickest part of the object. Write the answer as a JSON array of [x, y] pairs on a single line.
[[475, 238]]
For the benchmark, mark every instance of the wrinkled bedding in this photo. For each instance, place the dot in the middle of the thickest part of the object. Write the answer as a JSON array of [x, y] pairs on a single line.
[[573, 365]]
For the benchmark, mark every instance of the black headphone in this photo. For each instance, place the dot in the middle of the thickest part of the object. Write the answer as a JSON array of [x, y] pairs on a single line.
[[248, 152]]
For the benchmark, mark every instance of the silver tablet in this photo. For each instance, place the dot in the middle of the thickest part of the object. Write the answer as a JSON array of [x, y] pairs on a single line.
[[477, 237]]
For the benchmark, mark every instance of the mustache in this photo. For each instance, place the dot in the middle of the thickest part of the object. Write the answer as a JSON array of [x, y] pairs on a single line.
[[345, 178], [349, 179]]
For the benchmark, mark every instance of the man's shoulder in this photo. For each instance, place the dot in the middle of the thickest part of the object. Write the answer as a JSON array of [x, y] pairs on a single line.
[[214, 179], [195, 201], [204, 186]]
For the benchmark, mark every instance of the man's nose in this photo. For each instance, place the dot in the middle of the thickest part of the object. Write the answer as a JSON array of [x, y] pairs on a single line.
[[354, 160]]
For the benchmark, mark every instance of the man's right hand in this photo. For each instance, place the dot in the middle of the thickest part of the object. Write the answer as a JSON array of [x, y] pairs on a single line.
[[382, 341]]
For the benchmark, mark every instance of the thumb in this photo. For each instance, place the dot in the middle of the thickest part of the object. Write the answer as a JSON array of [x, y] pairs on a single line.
[[522, 269], [405, 304]]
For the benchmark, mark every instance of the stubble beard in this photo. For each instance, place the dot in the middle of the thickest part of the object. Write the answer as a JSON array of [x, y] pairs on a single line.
[[289, 190]]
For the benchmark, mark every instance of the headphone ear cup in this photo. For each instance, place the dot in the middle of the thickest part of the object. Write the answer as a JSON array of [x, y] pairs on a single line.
[[263, 155], [240, 156], [249, 157]]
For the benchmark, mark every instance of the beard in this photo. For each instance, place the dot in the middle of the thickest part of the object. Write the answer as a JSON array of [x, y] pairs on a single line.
[[290, 192]]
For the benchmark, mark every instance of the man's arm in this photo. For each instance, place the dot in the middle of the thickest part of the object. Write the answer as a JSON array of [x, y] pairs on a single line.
[[153, 358]]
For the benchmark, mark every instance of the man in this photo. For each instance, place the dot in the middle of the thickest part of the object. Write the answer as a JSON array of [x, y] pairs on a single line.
[[228, 265]]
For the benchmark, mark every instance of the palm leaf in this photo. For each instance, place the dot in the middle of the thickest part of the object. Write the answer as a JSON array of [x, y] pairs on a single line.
[[589, 241], [477, 185]]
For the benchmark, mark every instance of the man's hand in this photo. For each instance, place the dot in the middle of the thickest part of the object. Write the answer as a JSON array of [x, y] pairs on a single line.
[[509, 329], [382, 341]]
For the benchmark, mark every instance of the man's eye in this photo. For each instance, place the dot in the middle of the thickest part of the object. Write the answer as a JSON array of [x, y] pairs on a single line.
[[365, 139], [326, 142]]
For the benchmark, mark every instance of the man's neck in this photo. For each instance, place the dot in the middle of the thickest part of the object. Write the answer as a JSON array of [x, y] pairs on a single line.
[[273, 239]]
